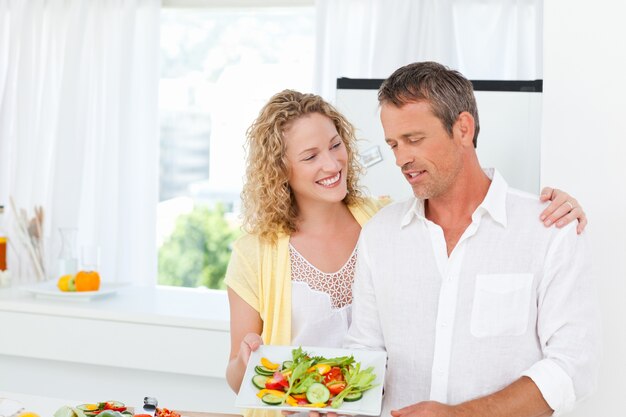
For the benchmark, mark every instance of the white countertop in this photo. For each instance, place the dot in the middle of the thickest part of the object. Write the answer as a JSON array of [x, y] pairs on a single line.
[[173, 343], [47, 406], [44, 406], [180, 307]]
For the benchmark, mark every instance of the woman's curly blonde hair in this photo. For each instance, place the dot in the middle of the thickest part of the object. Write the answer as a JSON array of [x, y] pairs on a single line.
[[269, 206]]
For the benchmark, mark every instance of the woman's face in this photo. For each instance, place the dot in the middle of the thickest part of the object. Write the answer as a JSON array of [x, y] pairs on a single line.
[[317, 160]]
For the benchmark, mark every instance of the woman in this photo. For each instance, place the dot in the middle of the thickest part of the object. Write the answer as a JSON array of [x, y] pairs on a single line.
[[290, 277]]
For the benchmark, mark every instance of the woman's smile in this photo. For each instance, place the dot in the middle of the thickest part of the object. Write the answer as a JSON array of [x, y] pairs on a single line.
[[330, 182]]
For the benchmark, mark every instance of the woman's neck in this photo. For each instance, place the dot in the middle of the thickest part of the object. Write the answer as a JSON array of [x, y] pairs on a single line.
[[320, 217]]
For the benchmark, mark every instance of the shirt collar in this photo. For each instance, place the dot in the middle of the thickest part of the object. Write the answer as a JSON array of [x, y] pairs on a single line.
[[494, 203], [416, 209], [495, 200]]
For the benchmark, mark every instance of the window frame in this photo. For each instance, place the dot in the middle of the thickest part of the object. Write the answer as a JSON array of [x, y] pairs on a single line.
[[231, 4], [235, 4]]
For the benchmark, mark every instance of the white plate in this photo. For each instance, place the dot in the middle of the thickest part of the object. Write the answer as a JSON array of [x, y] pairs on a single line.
[[9, 407], [369, 405], [48, 290]]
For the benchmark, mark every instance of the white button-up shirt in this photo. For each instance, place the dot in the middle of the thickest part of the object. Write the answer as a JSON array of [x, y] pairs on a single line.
[[513, 298]]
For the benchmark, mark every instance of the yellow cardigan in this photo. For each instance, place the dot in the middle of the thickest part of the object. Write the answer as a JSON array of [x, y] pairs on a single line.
[[260, 273]]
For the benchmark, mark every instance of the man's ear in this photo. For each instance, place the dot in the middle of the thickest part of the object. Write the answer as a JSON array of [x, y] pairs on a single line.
[[464, 129]]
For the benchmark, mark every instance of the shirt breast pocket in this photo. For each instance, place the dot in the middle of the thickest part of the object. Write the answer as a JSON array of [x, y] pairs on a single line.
[[501, 304]]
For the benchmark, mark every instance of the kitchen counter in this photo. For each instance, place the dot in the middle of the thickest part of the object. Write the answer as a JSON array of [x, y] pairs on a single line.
[[170, 343], [46, 406], [160, 305]]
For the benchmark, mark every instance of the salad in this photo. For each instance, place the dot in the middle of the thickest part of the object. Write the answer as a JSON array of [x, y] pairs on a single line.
[[108, 409], [101, 409], [312, 381]]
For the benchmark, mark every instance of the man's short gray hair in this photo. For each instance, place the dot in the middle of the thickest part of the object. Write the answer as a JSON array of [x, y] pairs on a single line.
[[447, 91]]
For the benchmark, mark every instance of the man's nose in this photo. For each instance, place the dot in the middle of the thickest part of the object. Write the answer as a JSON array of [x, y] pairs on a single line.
[[402, 156]]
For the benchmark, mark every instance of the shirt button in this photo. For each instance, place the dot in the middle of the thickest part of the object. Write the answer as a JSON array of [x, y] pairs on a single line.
[[444, 324]]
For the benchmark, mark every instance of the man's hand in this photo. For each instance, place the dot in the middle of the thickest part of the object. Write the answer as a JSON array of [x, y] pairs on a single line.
[[426, 409], [521, 398]]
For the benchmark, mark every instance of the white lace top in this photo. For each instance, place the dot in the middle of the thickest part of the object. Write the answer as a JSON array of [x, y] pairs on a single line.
[[321, 302]]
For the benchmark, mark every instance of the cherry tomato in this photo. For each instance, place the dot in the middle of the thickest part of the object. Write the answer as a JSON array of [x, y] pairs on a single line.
[[333, 375], [271, 383], [336, 387], [111, 406]]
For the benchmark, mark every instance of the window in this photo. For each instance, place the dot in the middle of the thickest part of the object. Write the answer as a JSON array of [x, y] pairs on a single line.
[[218, 67]]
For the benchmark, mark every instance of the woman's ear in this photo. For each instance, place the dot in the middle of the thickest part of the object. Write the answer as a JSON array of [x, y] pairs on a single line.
[[464, 129]]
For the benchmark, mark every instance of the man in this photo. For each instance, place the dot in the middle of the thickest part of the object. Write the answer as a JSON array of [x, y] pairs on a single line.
[[482, 310]]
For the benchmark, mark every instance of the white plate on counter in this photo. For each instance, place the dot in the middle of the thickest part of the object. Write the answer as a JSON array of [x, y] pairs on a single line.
[[50, 291], [9, 407]]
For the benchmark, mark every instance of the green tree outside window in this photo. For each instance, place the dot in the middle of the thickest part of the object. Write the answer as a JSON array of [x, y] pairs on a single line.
[[197, 252]]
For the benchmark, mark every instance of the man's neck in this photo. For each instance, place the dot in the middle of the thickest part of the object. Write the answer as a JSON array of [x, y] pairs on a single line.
[[453, 209]]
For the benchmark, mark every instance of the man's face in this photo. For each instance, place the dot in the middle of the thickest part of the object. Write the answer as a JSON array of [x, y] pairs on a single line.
[[429, 157]]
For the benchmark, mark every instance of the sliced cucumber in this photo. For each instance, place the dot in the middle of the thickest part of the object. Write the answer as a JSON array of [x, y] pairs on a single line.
[[259, 381], [287, 364], [272, 399], [262, 370], [87, 407], [317, 393], [354, 396]]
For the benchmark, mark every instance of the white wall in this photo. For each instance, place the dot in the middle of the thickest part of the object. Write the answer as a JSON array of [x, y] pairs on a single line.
[[509, 138], [584, 152]]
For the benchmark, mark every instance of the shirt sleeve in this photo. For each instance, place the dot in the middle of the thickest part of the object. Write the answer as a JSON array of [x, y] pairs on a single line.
[[365, 331], [568, 324], [242, 275]]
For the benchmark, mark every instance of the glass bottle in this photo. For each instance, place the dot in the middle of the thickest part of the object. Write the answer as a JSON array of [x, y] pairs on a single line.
[[5, 277], [3, 242], [68, 259]]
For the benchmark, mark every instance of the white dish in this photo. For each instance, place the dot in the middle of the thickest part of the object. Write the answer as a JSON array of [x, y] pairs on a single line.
[[9, 407], [369, 405], [49, 290]]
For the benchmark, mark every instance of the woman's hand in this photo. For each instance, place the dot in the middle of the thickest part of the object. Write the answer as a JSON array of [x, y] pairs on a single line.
[[249, 344], [562, 209], [245, 327]]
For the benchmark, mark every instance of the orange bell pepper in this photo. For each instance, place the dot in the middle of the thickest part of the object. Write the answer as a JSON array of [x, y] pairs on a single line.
[[87, 281]]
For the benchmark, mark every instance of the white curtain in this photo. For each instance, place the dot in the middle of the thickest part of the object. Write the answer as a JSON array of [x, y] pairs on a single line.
[[79, 125], [484, 39]]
